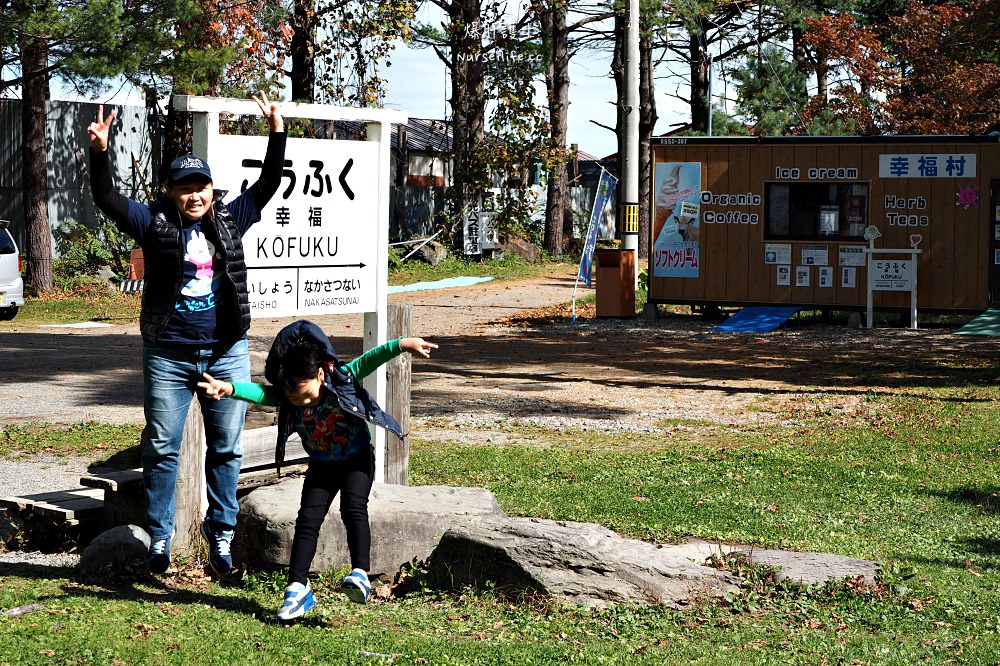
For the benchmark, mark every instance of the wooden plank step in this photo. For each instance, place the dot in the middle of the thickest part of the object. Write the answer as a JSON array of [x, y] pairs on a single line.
[[65, 505], [258, 449], [123, 479], [72, 510]]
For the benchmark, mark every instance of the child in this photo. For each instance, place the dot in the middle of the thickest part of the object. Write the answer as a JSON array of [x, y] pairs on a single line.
[[320, 398]]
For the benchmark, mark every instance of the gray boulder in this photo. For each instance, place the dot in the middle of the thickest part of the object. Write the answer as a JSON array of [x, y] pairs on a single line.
[[521, 248], [116, 553], [407, 523], [432, 253], [581, 563]]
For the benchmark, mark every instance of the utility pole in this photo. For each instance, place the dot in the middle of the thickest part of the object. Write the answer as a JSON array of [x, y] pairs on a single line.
[[629, 217]]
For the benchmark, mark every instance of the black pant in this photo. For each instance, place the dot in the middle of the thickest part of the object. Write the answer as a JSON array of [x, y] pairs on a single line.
[[353, 480]]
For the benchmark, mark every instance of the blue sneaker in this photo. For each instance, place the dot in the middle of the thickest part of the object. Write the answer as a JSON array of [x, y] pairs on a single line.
[[158, 557], [219, 552], [356, 586], [298, 599]]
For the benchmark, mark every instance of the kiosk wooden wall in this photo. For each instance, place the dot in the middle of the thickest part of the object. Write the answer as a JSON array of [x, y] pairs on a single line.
[[958, 240]]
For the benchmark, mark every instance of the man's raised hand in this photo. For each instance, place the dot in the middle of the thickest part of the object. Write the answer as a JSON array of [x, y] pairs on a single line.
[[98, 131]]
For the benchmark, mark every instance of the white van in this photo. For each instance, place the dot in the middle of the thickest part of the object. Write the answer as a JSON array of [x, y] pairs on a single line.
[[11, 286]]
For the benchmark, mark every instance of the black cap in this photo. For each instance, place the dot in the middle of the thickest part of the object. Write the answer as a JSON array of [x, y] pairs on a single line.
[[188, 165]]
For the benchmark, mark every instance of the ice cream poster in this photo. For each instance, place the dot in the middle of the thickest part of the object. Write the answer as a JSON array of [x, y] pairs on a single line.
[[677, 219]]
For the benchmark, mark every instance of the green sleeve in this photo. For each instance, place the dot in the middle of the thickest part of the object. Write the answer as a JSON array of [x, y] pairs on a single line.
[[368, 362], [259, 394]]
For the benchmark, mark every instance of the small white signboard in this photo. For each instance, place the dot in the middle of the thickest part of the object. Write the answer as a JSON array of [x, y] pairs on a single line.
[[892, 274]]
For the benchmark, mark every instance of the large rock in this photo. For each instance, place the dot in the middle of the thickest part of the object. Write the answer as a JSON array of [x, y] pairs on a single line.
[[581, 563], [521, 248], [407, 523], [117, 553], [432, 253]]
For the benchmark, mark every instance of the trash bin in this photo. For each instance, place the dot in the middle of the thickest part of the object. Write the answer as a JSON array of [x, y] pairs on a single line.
[[615, 283]]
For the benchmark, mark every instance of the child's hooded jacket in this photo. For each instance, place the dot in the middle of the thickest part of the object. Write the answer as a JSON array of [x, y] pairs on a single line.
[[355, 403]]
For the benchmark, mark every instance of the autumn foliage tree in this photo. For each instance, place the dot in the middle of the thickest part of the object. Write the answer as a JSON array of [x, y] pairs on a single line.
[[853, 59], [945, 87], [224, 48], [910, 74]]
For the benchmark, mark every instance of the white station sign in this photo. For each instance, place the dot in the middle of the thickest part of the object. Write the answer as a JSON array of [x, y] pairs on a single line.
[[314, 251], [892, 274]]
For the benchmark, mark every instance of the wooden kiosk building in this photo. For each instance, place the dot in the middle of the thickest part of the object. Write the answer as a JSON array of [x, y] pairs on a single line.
[[798, 221]]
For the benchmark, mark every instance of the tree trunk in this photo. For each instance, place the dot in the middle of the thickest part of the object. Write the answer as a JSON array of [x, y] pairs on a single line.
[[176, 139], [701, 105], [303, 74], [647, 121], [556, 34], [467, 109], [35, 92], [801, 57]]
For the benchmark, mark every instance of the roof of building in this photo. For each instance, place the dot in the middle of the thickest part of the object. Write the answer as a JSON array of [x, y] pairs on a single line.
[[427, 134]]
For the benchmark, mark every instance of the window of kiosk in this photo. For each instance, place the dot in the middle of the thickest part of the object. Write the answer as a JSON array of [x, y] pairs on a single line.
[[816, 211]]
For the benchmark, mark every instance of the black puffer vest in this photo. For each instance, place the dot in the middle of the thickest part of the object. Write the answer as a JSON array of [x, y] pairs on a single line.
[[163, 254]]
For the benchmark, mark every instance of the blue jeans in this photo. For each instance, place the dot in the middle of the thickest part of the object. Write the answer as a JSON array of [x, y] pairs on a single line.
[[170, 377]]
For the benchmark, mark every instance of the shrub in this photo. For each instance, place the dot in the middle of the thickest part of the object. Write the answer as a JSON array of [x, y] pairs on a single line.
[[84, 252]]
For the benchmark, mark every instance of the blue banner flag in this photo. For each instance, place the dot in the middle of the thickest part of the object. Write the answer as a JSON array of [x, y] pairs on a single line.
[[605, 191]]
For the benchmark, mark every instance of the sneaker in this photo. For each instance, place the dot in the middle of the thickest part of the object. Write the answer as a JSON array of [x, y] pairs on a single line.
[[298, 599], [219, 554], [158, 557], [356, 586]]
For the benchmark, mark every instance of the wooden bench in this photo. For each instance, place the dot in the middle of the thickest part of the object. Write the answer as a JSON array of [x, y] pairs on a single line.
[[65, 507]]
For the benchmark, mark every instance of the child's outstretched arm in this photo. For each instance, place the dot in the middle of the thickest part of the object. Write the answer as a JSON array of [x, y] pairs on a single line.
[[366, 364], [417, 346], [215, 388], [259, 394]]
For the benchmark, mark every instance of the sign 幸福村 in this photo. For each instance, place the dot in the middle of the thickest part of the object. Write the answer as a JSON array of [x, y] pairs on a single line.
[[917, 165]]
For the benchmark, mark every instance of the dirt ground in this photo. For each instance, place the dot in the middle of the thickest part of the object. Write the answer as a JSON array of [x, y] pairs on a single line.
[[508, 350]]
